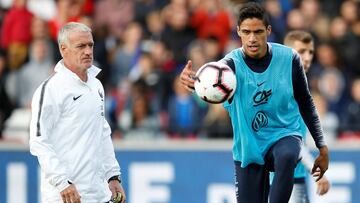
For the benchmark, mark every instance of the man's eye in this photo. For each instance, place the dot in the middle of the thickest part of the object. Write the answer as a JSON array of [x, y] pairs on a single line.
[[302, 51]]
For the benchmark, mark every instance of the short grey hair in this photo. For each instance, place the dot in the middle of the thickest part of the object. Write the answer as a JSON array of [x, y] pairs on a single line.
[[64, 32]]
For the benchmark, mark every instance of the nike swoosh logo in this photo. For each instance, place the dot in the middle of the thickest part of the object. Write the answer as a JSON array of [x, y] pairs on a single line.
[[75, 98], [259, 84]]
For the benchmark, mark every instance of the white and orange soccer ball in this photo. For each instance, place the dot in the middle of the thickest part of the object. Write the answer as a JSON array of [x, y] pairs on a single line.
[[215, 82]]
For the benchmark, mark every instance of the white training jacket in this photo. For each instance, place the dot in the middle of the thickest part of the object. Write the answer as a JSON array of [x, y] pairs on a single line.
[[71, 138]]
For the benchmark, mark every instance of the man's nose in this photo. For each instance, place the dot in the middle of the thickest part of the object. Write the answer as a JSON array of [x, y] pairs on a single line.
[[252, 37], [307, 57], [88, 50]]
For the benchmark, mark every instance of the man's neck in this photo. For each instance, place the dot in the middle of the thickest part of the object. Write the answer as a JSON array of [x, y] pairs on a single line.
[[82, 74]]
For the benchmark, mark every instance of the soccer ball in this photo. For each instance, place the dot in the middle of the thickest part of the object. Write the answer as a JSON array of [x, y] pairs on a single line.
[[215, 82]]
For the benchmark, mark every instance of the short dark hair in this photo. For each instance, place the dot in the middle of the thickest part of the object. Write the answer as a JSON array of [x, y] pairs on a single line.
[[298, 35], [253, 10]]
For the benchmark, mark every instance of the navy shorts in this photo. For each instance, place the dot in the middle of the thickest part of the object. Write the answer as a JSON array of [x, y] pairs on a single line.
[[252, 182]]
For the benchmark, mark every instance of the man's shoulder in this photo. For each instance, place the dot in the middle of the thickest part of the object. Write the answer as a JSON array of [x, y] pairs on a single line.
[[279, 46], [98, 83], [281, 49], [233, 55], [53, 79], [45, 86]]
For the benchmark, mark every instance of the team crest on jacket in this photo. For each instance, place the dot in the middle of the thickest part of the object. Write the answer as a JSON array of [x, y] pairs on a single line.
[[102, 108], [101, 95]]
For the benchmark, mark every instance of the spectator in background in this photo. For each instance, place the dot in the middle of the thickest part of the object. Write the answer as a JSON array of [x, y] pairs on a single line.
[[330, 121], [154, 25], [122, 59], [139, 121], [331, 86], [332, 10], [185, 115], [31, 74], [212, 49], [163, 57], [197, 53], [350, 45], [87, 7], [217, 123], [177, 34], [146, 71], [164, 61], [295, 20], [327, 77], [342, 39], [144, 7], [126, 55], [338, 28], [66, 11], [277, 19], [40, 30], [16, 35], [316, 21], [115, 15], [210, 19], [349, 11], [350, 122], [6, 106]]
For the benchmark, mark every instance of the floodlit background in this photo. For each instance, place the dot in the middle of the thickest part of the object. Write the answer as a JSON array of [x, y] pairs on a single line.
[[172, 146]]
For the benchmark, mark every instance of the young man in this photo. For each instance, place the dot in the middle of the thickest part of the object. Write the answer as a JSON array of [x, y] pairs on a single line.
[[68, 131], [270, 100], [303, 43]]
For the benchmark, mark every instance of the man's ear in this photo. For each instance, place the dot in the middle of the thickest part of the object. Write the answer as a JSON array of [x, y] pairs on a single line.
[[238, 30], [62, 48], [268, 30]]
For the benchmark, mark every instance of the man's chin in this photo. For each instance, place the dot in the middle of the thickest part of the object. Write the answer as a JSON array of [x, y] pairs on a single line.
[[87, 62], [255, 55], [88, 65]]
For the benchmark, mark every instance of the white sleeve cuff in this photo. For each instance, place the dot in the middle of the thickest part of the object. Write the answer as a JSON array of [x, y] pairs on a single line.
[[63, 185], [110, 175]]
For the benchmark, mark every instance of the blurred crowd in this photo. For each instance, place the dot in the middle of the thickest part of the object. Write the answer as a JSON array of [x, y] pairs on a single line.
[[142, 45]]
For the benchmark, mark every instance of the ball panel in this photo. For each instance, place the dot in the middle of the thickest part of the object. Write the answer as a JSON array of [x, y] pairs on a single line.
[[215, 83]]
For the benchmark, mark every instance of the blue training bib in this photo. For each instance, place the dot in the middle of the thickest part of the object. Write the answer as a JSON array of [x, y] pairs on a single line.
[[263, 109]]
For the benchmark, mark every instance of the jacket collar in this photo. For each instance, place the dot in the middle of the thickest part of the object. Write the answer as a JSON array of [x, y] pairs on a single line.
[[93, 71]]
